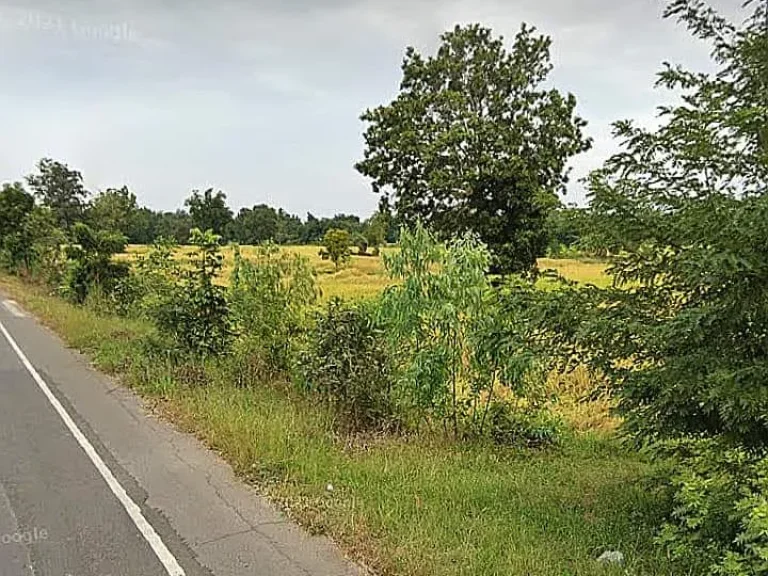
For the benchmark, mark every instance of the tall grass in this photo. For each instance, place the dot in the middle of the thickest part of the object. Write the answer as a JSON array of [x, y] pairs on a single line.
[[364, 276]]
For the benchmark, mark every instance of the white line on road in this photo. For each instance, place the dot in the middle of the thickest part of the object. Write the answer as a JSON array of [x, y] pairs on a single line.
[[147, 531], [13, 308]]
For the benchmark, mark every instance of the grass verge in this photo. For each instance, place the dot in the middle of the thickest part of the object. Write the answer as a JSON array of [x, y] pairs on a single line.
[[407, 507]]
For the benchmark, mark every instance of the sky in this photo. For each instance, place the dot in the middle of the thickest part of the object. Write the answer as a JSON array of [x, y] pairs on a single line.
[[262, 98]]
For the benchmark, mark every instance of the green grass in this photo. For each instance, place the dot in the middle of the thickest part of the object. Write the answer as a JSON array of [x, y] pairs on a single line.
[[407, 507]]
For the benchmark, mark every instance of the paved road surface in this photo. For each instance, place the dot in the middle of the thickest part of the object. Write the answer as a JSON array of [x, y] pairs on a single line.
[[90, 485]]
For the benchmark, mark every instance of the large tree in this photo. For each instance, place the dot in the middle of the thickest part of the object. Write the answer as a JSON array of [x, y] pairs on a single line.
[[474, 142], [209, 211], [61, 189]]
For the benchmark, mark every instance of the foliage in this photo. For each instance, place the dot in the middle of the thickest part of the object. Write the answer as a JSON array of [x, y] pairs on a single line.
[[209, 211], [474, 143], [40, 244], [269, 295], [255, 225], [15, 205], [346, 364], [61, 189], [456, 355], [690, 198], [569, 228], [362, 245], [113, 210], [176, 225], [336, 243], [197, 315], [155, 278], [90, 264], [683, 335], [375, 232], [720, 519]]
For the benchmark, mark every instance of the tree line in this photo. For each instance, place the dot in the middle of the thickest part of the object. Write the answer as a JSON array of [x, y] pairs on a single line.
[[55, 196], [57, 190]]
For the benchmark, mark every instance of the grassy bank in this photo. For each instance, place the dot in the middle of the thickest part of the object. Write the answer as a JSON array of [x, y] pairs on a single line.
[[407, 507]]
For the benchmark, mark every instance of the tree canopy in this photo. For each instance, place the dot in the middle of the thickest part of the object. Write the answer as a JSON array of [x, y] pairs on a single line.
[[209, 211], [474, 142], [61, 189]]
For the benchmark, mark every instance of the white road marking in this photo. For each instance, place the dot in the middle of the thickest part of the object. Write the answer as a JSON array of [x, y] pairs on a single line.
[[13, 308], [147, 531]]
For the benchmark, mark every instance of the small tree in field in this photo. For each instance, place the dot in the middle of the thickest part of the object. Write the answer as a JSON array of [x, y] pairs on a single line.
[[336, 245], [475, 143]]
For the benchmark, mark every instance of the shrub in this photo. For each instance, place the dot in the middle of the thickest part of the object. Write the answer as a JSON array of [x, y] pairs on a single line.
[[90, 264], [346, 364], [269, 297], [336, 245], [196, 312], [719, 521], [455, 349]]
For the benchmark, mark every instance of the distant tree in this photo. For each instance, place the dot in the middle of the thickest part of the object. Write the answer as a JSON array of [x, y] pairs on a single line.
[[336, 244], [289, 228], [375, 231], [61, 189], [473, 142], [567, 228], [255, 225], [209, 211], [175, 225], [113, 210], [143, 226], [15, 204], [312, 232], [348, 222]]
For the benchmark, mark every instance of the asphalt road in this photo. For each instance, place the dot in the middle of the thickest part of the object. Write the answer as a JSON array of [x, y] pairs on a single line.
[[90, 485]]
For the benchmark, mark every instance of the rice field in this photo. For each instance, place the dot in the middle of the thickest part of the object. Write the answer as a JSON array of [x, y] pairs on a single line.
[[364, 276]]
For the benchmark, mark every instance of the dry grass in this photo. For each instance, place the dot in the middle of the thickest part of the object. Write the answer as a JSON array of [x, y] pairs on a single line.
[[364, 276], [582, 401]]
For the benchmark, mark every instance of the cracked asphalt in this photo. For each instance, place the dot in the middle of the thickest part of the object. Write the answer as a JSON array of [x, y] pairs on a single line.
[[171, 506]]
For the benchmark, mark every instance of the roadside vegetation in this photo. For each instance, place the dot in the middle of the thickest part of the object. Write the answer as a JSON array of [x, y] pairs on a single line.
[[463, 410]]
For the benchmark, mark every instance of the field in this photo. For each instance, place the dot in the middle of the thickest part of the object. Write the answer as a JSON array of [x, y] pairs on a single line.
[[364, 276]]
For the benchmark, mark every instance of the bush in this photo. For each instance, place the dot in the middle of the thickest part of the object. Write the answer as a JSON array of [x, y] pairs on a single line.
[[90, 264], [269, 297], [346, 364], [455, 349], [195, 311], [719, 522], [509, 423], [336, 245]]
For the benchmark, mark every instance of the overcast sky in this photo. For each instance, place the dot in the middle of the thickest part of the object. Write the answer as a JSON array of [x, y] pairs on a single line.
[[261, 98]]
